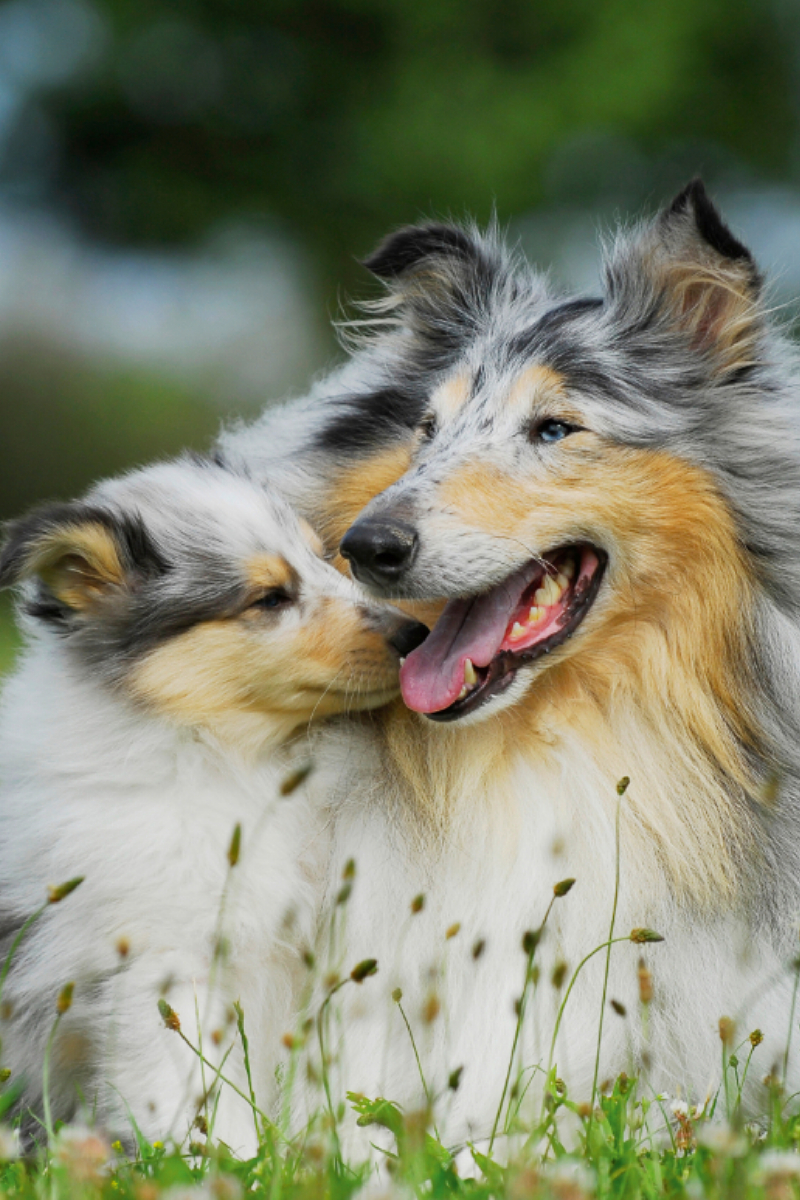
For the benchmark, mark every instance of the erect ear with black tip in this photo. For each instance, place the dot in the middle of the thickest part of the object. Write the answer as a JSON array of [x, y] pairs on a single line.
[[413, 246], [689, 268], [73, 550], [694, 202]]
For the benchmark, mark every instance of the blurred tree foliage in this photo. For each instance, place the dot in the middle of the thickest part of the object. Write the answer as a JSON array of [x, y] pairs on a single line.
[[340, 118], [69, 420]]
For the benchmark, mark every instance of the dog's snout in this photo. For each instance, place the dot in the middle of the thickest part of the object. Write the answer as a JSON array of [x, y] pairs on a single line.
[[410, 635], [380, 550]]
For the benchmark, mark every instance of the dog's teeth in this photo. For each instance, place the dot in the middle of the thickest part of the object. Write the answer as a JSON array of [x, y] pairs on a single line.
[[517, 630], [549, 593], [553, 588], [567, 568], [562, 581], [535, 614], [402, 660], [464, 691], [470, 676]]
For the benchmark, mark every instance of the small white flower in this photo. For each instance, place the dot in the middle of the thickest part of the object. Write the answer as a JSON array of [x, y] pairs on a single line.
[[679, 1108], [756, 1132], [9, 1143], [721, 1139], [569, 1171], [84, 1153], [222, 1187], [777, 1164]]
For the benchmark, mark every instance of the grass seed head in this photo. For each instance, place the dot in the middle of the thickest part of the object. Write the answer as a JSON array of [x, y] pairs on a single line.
[[452, 930], [123, 947], [530, 940], [308, 959], [362, 970], [349, 871], [64, 1001], [295, 779], [454, 1079], [562, 887], [618, 1008], [756, 1038], [57, 892], [559, 974], [417, 904], [478, 948], [169, 1016], [640, 936], [235, 848], [344, 893], [727, 1030], [645, 982], [5, 1074], [431, 1008], [623, 785], [397, 995]]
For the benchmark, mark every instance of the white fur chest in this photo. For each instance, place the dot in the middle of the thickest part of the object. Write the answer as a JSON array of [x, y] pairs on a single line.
[[486, 878]]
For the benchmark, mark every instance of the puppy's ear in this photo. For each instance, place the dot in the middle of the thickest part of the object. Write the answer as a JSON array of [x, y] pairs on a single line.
[[687, 270], [77, 553]]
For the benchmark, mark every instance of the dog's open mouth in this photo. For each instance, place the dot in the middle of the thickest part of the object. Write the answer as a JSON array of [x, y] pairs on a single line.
[[478, 644]]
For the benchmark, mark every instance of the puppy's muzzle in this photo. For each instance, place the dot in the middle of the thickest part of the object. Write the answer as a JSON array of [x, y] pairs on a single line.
[[410, 635], [380, 550]]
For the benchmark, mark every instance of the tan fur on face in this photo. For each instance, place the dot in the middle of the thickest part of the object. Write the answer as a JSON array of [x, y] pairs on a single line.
[[352, 487], [655, 681], [77, 563], [452, 394], [350, 491], [256, 677], [534, 383], [268, 571]]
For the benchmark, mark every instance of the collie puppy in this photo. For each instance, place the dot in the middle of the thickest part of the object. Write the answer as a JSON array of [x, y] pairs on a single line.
[[602, 495], [183, 631]]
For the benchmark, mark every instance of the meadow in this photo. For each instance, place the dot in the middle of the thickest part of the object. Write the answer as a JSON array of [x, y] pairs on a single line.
[[628, 1142]]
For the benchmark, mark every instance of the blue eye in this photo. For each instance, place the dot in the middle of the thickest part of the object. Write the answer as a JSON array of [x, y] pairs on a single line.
[[552, 430]]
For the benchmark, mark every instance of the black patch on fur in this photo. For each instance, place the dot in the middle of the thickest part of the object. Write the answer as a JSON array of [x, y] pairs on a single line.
[[530, 340], [407, 247], [140, 553], [695, 199], [363, 422]]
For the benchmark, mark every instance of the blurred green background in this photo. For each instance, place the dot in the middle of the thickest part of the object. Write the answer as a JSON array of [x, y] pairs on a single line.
[[186, 185]]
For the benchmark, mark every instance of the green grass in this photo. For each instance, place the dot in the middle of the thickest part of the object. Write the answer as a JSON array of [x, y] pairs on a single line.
[[628, 1146]]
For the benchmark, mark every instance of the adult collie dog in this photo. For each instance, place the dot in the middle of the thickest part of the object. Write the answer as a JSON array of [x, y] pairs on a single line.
[[601, 497]]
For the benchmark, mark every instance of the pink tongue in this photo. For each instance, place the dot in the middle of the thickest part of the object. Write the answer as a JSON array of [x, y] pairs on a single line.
[[433, 675]]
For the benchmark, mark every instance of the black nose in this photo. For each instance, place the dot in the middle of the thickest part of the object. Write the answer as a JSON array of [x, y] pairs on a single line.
[[408, 637], [379, 550]]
